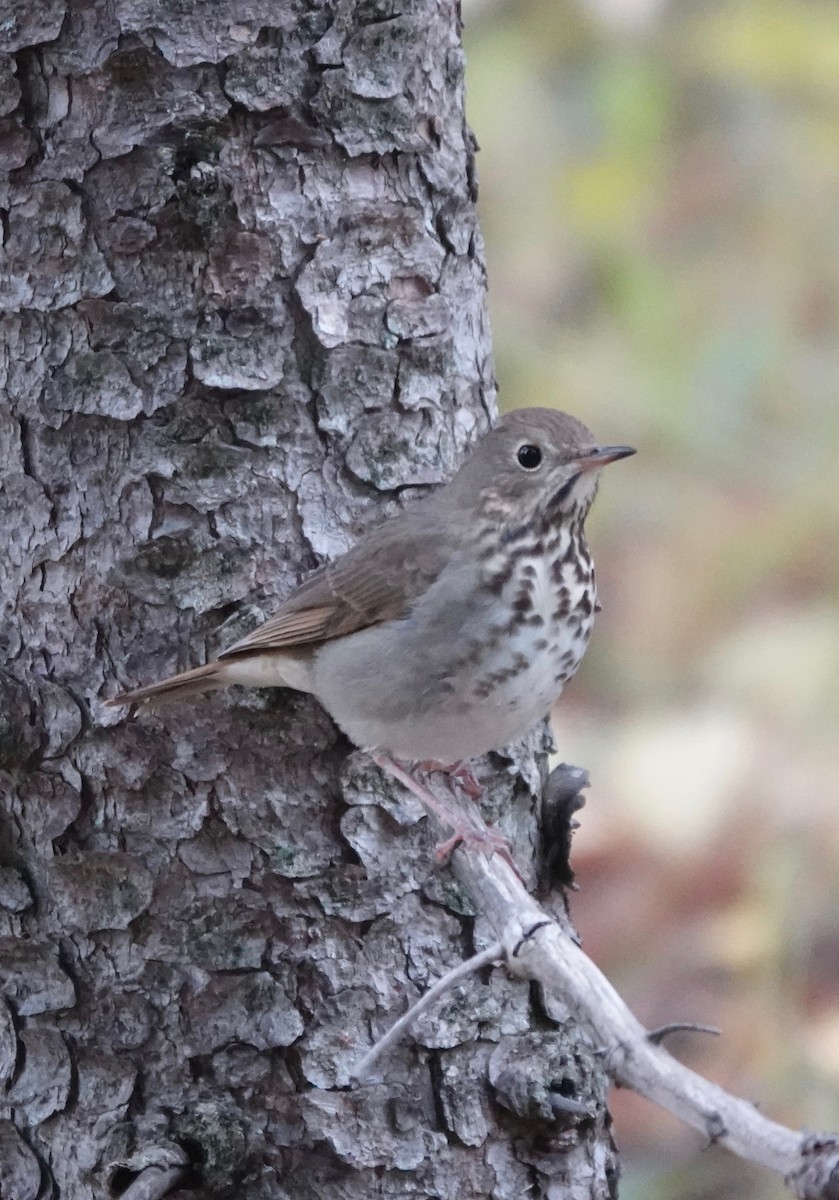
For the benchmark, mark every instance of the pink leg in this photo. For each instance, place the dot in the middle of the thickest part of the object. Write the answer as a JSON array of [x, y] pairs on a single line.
[[425, 796], [464, 834], [461, 771], [486, 840]]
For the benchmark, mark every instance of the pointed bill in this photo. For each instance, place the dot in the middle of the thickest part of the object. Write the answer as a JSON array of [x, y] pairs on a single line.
[[595, 459]]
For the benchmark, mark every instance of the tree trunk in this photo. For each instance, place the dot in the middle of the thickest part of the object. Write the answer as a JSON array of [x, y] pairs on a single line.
[[244, 311]]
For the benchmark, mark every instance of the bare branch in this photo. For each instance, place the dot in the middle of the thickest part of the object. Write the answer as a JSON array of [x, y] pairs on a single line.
[[153, 1183], [537, 948]]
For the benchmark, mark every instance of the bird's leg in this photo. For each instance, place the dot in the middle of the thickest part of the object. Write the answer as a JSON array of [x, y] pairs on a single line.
[[461, 771], [426, 797], [465, 834]]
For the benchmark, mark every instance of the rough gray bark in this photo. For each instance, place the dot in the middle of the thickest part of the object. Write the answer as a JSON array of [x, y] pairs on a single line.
[[243, 309]]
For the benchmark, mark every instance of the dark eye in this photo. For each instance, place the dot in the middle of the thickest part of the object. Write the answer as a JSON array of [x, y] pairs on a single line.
[[530, 457]]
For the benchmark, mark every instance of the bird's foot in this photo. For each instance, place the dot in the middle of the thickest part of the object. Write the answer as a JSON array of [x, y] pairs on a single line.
[[461, 771], [465, 834], [488, 841]]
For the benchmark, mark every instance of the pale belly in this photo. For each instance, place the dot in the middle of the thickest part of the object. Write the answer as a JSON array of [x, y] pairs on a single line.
[[431, 688]]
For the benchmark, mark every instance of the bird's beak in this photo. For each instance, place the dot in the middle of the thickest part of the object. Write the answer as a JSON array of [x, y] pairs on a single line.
[[593, 460]]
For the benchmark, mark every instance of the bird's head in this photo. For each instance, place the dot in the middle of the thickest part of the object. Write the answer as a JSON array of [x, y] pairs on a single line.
[[535, 464]]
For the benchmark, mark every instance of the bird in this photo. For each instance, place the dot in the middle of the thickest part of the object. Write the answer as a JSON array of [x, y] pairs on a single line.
[[449, 629]]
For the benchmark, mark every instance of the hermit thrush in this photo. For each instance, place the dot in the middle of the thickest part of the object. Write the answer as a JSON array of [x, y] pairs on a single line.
[[449, 629]]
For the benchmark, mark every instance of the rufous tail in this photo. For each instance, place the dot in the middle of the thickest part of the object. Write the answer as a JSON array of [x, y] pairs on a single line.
[[177, 687]]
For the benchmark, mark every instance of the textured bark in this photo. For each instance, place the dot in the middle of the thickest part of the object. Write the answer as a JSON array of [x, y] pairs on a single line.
[[243, 312]]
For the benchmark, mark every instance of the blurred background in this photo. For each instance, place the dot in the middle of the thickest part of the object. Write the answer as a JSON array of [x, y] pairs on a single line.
[[660, 203]]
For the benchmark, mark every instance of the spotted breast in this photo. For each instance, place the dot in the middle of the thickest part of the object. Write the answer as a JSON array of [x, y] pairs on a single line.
[[547, 587]]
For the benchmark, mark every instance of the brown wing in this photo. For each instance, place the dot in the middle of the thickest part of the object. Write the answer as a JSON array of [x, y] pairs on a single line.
[[375, 581]]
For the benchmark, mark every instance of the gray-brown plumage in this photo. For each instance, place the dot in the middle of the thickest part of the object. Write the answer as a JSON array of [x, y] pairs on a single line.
[[448, 630]]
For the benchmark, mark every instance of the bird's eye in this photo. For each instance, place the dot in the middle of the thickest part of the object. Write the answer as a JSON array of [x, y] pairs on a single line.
[[530, 457]]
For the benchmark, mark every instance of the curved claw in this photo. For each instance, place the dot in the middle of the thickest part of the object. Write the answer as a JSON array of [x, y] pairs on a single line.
[[489, 841], [461, 771]]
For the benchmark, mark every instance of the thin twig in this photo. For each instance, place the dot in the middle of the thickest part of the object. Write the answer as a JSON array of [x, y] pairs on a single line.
[[492, 954], [657, 1035]]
